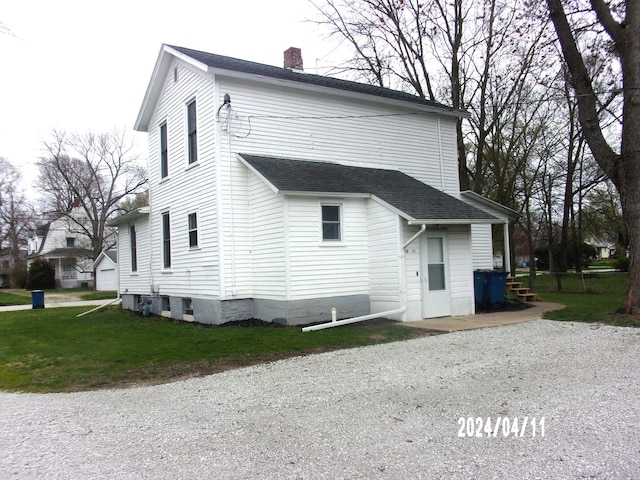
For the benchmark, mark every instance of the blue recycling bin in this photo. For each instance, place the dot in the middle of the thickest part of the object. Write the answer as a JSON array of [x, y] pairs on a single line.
[[489, 288], [495, 288], [37, 299], [480, 278]]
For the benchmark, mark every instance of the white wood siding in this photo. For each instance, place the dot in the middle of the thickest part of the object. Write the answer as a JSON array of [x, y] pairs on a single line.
[[461, 271], [267, 237], [134, 282], [482, 247], [323, 269], [188, 188], [413, 273], [281, 121], [384, 258]]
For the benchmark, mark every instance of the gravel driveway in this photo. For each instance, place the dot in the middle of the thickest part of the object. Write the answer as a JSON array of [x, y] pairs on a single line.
[[388, 411]]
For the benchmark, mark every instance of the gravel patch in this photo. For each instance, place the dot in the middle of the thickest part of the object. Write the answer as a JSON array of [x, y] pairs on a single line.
[[382, 412]]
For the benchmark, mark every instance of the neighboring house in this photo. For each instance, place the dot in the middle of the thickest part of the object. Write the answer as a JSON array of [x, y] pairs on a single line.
[[604, 249], [5, 267], [106, 270], [277, 195], [59, 243]]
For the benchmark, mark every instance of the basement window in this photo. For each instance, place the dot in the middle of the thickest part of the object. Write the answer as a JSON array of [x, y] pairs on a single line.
[[166, 306], [187, 309]]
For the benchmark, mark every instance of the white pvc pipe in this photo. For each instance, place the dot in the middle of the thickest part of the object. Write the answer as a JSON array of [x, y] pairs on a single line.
[[347, 321], [100, 306], [371, 316]]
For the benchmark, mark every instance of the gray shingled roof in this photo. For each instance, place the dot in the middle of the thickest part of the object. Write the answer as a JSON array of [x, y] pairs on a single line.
[[417, 200], [244, 66]]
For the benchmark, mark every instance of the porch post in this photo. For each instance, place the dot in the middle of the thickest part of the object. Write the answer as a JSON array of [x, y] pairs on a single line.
[[507, 248]]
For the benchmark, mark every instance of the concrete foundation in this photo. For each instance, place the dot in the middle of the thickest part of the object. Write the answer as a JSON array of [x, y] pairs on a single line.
[[215, 312]]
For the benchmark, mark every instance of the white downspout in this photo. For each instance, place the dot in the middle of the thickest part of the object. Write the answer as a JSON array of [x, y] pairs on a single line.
[[371, 316], [507, 248], [231, 229]]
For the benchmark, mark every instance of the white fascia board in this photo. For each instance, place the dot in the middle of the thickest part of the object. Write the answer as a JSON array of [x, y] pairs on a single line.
[[293, 193], [338, 92], [156, 82], [129, 216], [489, 205], [456, 221]]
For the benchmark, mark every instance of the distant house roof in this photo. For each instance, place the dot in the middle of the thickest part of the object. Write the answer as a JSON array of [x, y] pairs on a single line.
[[219, 63], [67, 253], [416, 201], [111, 255]]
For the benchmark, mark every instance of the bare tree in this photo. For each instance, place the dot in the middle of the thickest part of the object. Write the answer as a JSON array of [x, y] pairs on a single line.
[[616, 28], [485, 53], [90, 172], [134, 202], [16, 215]]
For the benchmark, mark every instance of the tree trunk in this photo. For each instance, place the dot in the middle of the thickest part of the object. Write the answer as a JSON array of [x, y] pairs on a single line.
[[624, 168]]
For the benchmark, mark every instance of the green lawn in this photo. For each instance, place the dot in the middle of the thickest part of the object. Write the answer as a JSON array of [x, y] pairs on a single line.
[[23, 297], [592, 298], [611, 283], [12, 298], [51, 350]]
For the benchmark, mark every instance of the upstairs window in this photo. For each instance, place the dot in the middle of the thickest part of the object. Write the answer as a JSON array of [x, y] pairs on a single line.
[[71, 242], [166, 240], [193, 230], [331, 222], [133, 243], [192, 137], [164, 152]]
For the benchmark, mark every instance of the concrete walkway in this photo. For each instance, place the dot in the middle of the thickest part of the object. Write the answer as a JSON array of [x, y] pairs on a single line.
[[483, 320], [81, 303]]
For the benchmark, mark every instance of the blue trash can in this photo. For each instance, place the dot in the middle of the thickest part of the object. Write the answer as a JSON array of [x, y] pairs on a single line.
[[479, 282], [495, 288], [37, 299]]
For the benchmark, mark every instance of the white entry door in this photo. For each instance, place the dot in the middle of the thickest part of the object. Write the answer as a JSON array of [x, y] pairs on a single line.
[[436, 298]]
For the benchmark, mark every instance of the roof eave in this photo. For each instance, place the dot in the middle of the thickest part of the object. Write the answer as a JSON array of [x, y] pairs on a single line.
[[454, 221], [280, 82], [489, 204], [130, 216]]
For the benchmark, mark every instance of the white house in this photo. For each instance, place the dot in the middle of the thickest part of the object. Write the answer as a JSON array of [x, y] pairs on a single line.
[[106, 270], [278, 195], [66, 248]]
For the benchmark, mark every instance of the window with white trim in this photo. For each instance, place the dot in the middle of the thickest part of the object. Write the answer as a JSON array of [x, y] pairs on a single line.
[[331, 223], [133, 244], [193, 230], [164, 151], [166, 240], [192, 132]]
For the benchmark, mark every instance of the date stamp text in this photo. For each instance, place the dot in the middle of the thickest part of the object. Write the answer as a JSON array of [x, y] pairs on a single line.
[[501, 427]]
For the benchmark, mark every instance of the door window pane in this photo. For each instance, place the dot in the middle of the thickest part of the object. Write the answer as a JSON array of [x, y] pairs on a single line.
[[436, 267], [436, 277]]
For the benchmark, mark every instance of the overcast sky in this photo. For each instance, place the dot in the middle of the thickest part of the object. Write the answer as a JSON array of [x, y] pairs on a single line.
[[84, 66]]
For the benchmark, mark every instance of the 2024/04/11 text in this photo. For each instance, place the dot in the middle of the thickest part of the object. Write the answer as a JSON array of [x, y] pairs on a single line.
[[501, 426]]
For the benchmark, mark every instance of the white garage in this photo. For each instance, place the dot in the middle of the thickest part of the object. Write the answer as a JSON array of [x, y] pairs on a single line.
[[106, 268]]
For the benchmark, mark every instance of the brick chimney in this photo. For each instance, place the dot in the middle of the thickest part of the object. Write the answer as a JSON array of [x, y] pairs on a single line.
[[293, 59]]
